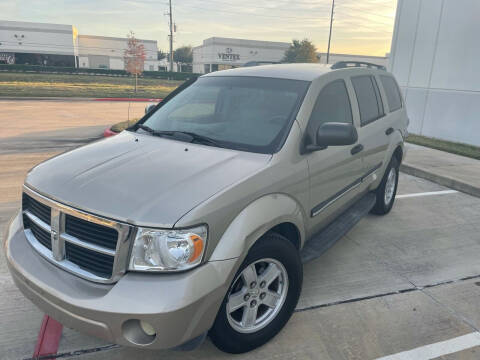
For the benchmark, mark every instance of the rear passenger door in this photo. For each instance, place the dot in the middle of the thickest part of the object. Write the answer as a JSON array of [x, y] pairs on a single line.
[[373, 134]]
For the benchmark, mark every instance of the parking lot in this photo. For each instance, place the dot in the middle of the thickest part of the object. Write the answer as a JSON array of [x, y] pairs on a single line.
[[409, 281]]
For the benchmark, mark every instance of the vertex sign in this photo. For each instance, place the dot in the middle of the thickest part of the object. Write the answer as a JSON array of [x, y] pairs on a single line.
[[228, 55]]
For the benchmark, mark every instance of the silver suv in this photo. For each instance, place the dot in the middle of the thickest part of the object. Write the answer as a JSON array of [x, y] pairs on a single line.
[[193, 221]]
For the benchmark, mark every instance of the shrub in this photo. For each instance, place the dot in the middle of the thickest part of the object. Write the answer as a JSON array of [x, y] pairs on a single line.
[[108, 72]]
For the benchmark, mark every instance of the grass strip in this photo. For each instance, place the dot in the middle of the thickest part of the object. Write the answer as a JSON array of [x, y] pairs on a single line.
[[470, 151]]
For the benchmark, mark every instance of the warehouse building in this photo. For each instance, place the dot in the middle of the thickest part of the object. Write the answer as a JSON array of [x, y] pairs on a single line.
[[102, 52], [435, 56], [38, 44], [219, 53], [61, 45]]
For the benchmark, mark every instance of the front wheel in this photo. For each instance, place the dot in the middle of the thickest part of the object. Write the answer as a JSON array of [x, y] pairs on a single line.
[[387, 189], [261, 298]]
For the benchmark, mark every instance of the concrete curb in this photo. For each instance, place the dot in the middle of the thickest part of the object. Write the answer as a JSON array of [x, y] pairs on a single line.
[[108, 132], [441, 179]]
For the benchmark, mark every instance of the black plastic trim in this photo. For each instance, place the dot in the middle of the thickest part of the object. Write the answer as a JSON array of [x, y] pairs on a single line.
[[316, 210]]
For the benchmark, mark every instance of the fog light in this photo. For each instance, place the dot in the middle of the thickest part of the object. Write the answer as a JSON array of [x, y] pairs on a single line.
[[138, 332], [147, 328]]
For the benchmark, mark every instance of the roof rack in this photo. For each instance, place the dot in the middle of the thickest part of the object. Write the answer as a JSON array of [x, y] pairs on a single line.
[[347, 64]]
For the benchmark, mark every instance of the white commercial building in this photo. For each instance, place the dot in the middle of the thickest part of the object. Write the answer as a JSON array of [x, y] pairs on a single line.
[[435, 57], [218, 53], [107, 52], [36, 43], [61, 45]]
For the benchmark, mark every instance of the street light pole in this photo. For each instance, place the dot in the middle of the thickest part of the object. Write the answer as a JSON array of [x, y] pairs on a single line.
[[171, 36], [330, 34]]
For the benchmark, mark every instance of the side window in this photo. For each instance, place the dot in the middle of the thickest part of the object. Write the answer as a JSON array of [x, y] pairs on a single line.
[[393, 94], [368, 97], [332, 105]]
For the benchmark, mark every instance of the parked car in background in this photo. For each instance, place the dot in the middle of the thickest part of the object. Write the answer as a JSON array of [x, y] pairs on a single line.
[[258, 63], [192, 221]]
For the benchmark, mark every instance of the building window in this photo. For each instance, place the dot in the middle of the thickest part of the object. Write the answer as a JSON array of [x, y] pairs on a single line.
[[206, 68]]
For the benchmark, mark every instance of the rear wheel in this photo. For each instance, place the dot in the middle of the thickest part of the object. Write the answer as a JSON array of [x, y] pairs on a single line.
[[387, 189], [261, 298]]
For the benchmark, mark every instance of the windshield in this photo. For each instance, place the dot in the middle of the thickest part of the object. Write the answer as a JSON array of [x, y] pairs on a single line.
[[245, 113]]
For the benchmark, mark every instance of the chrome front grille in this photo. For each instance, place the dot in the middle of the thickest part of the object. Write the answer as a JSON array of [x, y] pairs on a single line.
[[87, 245]]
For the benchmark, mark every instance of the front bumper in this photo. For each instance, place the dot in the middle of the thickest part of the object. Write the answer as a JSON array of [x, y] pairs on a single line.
[[179, 306]]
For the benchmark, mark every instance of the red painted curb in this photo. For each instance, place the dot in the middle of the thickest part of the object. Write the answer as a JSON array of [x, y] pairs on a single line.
[[48, 337], [108, 132], [128, 99]]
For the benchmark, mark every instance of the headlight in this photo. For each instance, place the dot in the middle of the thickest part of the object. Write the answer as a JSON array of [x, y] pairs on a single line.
[[168, 250]]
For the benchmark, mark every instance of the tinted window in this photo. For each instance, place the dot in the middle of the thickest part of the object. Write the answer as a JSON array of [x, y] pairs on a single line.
[[393, 94], [378, 96], [368, 97], [332, 105], [244, 113]]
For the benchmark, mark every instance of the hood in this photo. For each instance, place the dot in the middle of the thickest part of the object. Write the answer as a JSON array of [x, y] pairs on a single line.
[[141, 179]]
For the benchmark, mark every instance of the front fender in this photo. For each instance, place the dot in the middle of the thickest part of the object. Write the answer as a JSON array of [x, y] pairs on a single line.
[[255, 220]]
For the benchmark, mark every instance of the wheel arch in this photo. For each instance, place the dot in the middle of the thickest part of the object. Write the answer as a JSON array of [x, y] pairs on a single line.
[[289, 231], [279, 213], [398, 153]]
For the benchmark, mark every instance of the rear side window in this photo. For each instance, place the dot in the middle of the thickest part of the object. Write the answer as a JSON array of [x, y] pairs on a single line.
[[332, 105], [393, 94], [368, 97]]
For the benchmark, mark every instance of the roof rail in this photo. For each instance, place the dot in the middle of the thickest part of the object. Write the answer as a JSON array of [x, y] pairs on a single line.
[[346, 64]]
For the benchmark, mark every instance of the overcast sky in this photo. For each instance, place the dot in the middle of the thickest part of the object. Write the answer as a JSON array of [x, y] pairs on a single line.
[[360, 26]]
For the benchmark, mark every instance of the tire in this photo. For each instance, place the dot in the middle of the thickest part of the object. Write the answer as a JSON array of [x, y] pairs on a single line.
[[233, 331], [384, 202]]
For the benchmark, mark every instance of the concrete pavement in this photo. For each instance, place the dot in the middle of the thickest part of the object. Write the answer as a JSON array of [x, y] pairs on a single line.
[[26, 117], [455, 171], [394, 283]]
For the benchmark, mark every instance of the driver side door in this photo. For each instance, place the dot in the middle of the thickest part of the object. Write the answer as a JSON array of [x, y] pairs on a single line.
[[336, 170]]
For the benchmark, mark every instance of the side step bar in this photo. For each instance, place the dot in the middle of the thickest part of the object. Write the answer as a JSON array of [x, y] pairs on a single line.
[[333, 232]]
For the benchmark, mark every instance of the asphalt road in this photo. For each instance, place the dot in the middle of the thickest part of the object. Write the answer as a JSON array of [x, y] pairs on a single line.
[[408, 281]]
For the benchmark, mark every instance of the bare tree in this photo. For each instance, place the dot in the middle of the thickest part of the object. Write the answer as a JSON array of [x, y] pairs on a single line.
[[134, 56]]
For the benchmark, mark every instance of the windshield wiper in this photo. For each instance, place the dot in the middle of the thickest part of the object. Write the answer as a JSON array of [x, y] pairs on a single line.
[[193, 136], [147, 129], [201, 138]]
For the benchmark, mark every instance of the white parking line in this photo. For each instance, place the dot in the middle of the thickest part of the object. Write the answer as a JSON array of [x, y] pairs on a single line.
[[433, 351], [442, 192]]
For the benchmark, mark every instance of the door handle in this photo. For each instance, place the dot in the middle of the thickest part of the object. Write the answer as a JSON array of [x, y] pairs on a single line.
[[389, 131], [356, 149]]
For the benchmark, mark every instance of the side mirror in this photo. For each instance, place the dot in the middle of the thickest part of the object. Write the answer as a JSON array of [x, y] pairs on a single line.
[[334, 134], [149, 108]]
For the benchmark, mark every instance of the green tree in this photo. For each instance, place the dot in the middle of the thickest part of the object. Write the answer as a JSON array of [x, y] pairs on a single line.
[[161, 55], [183, 55], [300, 52]]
